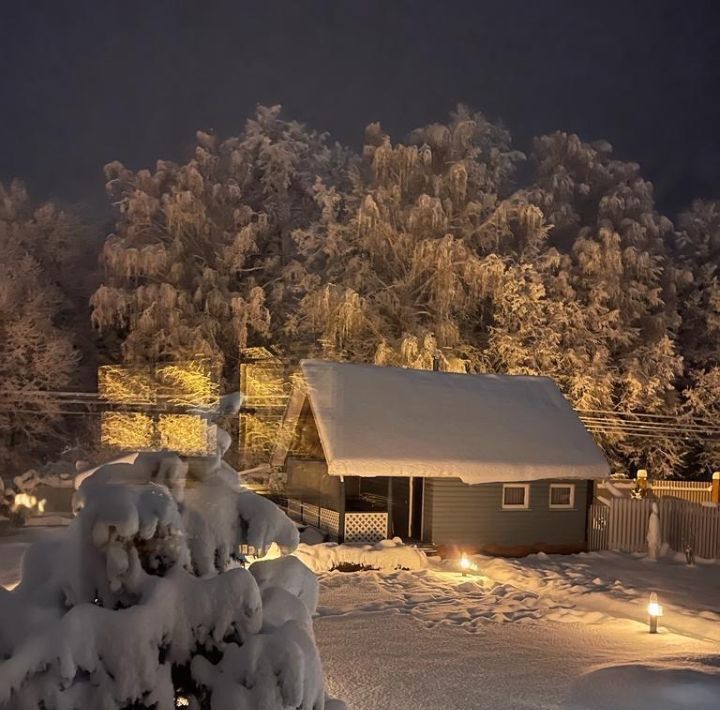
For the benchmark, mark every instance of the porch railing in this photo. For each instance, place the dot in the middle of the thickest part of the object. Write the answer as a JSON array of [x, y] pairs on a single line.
[[369, 526]]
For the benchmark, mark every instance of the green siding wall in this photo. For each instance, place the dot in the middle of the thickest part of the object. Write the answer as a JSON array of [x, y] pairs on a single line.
[[455, 513]]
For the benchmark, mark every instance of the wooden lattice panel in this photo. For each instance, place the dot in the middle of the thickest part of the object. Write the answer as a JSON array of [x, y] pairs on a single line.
[[365, 527], [294, 508], [330, 521], [311, 514]]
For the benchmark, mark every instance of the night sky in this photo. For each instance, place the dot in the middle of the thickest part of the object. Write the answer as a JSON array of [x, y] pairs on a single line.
[[84, 82]]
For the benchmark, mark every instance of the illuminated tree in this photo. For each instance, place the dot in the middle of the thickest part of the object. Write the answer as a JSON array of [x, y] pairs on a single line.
[[699, 258], [36, 347], [624, 281], [202, 254]]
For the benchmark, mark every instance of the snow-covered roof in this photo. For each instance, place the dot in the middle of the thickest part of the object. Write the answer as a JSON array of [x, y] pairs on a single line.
[[389, 421]]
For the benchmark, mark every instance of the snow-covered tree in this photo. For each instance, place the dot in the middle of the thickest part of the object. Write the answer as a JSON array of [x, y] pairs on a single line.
[[401, 269], [140, 603], [202, 254], [698, 256], [37, 343], [431, 255], [622, 276], [417, 253]]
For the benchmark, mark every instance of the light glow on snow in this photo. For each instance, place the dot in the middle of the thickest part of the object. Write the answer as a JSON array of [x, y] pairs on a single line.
[[29, 501]]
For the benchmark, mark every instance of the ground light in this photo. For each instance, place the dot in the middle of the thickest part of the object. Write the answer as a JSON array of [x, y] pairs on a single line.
[[467, 565], [654, 611]]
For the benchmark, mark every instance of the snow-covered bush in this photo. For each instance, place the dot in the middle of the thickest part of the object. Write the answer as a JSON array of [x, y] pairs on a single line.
[[386, 555], [139, 603]]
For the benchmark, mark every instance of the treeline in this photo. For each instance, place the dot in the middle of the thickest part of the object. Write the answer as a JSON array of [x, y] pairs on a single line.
[[404, 252]]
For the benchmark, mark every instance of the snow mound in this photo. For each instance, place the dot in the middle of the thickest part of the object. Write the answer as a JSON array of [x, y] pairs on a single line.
[[648, 686], [386, 555]]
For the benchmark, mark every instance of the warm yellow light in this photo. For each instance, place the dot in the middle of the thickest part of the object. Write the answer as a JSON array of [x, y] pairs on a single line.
[[465, 562], [28, 501], [654, 609], [272, 553]]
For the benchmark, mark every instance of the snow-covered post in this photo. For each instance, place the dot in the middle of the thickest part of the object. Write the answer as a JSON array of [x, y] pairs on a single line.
[[642, 478], [715, 491], [654, 537]]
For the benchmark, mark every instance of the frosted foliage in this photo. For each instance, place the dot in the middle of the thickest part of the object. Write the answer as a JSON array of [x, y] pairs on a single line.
[[35, 352], [111, 614], [431, 257], [194, 263], [421, 253], [219, 517]]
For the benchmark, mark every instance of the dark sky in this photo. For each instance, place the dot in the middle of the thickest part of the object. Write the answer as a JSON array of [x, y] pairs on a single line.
[[83, 82]]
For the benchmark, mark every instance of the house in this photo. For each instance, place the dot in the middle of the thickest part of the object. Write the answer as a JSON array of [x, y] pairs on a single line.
[[484, 462]]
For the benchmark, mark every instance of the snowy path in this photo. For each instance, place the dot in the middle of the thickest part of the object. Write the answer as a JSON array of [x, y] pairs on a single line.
[[519, 639]]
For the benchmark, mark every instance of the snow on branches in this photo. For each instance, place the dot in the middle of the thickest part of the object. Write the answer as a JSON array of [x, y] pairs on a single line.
[[142, 602]]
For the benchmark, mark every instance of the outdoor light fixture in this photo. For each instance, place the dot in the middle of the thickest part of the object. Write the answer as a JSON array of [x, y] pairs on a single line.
[[465, 564], [654, 610]]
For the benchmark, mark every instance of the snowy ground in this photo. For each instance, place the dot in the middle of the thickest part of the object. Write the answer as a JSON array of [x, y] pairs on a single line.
[[13, 543], [523, 635], [541, 632]]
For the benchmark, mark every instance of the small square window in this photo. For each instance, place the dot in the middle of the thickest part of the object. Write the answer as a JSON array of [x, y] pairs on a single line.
[[562, 495], [516, 496]]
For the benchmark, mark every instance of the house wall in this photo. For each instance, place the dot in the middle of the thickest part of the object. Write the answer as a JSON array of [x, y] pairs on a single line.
[[458, 514], [308, 480]]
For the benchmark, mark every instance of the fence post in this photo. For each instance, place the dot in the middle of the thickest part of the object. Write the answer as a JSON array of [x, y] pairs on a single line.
[[715, 494], [642, 478]]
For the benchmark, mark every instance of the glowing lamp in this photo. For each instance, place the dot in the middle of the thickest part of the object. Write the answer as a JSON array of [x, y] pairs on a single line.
[[654, 611], [465, 564]]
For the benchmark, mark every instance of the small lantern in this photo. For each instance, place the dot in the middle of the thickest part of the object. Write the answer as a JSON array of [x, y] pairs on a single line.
[[654, 611], [465, 564]]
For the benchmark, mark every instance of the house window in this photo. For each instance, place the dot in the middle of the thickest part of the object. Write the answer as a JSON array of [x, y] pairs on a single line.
[[562, 495], [516, 496]]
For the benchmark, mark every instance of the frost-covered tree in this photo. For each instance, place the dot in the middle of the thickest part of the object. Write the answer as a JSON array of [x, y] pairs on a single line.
[[37, 343], [698, 256], [432, 255], [202, 254], [402, 267], [622, 276], [139, 603], [411, 254]]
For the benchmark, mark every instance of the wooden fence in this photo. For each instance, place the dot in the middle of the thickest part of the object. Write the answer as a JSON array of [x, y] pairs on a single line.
[[694, 491], [622, 525]]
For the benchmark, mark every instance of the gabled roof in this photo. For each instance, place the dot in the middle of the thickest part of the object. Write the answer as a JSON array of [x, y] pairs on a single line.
[[389, 421]]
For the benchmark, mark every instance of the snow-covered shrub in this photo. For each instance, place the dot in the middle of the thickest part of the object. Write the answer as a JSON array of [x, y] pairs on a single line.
[[139, 604], [386, 555]]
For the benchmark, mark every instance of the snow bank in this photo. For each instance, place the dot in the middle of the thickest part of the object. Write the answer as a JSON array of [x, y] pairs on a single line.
[[648, 686], [386, 555]]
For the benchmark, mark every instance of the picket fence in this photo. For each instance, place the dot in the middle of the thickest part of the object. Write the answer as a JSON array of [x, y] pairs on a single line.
[[622, 525]]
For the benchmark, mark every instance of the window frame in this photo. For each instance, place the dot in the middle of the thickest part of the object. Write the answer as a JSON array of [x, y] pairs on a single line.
[[562, 506], [526, 501]]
